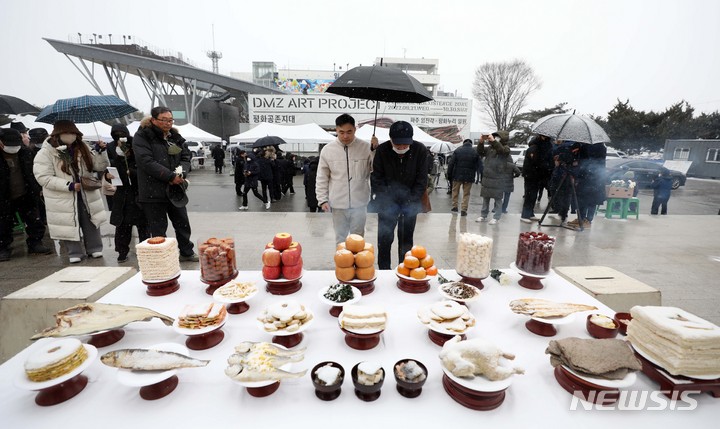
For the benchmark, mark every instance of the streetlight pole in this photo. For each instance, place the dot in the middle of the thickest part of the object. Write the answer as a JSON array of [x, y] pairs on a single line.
[[80, 36], [110, 36], [95, 38]]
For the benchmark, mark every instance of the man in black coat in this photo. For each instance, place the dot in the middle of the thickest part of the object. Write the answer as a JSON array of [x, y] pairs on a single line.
[[159, 151], [19, 193], [462, 169], [536, 171], [218, 154], [398, 179]]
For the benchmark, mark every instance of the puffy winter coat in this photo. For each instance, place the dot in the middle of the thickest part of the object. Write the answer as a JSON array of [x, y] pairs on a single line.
[[498, 171], [343, 174], [60, 201], [399, 182], [155, 165], [463, 163]]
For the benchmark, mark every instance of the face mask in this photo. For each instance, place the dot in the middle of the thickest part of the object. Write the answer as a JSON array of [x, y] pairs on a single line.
[[400, 151], [122, 139], [68, 138], [119, 151], [11, 149]]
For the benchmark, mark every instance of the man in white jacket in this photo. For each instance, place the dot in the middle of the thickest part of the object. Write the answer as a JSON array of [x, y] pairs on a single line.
[[343, 179]]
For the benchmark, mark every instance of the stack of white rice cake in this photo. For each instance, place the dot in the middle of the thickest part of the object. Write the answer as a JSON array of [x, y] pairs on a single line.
[[158, 258], [678, 341]]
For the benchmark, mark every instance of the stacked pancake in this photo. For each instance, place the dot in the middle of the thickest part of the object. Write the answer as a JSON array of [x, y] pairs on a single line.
[[363, 317], [678, 341], [158, 258], [446, 316], [55, 359], [200, 316]]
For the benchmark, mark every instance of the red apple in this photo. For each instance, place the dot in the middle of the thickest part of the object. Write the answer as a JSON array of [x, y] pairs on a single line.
[[292, 272], [271, 273], [282, 240], [291, 256], [295, 244], [270, 245], [271, 258]]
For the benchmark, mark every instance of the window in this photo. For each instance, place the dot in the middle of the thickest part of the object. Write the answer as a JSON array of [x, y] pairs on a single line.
[[681, 153], [713, 155], [205, 115]]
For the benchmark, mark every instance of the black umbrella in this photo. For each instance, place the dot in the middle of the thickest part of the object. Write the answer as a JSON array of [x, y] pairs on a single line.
[[268, 141], [380, 83], [10, 105]]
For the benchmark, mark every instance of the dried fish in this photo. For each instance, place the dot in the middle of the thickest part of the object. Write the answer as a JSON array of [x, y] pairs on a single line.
[[544, 308], [149, 360], [90, 318], [261, 362]]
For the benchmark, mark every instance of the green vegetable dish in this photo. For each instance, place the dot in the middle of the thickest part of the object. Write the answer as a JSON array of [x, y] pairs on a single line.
[[339, 293]]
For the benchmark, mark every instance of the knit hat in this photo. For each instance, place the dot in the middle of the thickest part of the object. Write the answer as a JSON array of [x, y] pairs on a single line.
[[401, 132], [65, 127], [11, 137], [19, 126], [38, 135]]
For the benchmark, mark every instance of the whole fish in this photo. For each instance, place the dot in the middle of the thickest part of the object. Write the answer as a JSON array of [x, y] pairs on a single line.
[[149, 360], [89, 318]]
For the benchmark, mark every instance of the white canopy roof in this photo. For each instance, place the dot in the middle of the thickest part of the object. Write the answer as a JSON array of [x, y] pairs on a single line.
[[365, 132], [192, 133], [307, 133]]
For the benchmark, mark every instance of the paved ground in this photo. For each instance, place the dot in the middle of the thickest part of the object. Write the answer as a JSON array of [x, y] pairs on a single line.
[[678, 254]]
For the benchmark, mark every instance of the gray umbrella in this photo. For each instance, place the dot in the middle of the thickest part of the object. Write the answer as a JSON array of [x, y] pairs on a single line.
[[567, 126]]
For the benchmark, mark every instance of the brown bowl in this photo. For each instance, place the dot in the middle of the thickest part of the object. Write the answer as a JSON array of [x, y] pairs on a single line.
[[365, 392], [598, 331], [327, 392], [619, 319], [406, 388]]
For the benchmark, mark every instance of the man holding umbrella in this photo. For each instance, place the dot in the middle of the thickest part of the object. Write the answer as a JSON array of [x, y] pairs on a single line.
[[158, 158], [399, 178], [342, 181]]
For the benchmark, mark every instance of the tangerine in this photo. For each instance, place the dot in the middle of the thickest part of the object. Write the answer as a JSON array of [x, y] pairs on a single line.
[[344, 258], [411, 262], [432, 271], [340, 245], [364, 259], [367, 273], [401, 269], [418, 273], [427, 262], [369, 247], [418, 251], [345, 274], [355, 243]]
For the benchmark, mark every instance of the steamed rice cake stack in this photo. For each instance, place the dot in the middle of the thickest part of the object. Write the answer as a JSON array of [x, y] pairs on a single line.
[[158, 258], [678, 341]]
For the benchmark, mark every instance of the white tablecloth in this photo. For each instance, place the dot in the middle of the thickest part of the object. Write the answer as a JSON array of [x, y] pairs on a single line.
[[206, 397]]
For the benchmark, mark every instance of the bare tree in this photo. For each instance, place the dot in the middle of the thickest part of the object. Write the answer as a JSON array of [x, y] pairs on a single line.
[[502, 89]]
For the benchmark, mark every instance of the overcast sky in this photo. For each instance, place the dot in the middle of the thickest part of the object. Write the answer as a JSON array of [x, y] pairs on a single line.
[[587, 53]]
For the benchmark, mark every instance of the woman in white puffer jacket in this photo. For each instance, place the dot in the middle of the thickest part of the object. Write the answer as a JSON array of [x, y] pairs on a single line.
[[72, 210]]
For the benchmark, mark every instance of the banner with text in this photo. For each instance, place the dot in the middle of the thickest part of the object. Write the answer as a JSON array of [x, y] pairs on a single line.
[[446, 118]]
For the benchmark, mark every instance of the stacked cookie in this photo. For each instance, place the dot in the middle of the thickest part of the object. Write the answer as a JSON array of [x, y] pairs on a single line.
[[446, 316], [678, 341], [285, 316]]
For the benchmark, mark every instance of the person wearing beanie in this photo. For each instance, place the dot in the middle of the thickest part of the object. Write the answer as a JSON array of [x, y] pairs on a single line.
[[37, 138], [160, 151], [399, 178], [19, 193], [65, 168]]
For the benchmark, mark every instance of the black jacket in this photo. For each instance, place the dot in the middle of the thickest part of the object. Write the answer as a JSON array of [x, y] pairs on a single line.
[[125, 202], [463, 164], [399, 182], [538, 164], [155, 165], [25, 157]]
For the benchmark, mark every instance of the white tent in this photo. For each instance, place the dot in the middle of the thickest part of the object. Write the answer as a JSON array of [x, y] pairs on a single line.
[[365, 132], [304, 138], [192, 133], [133, 127], [307, 133]]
